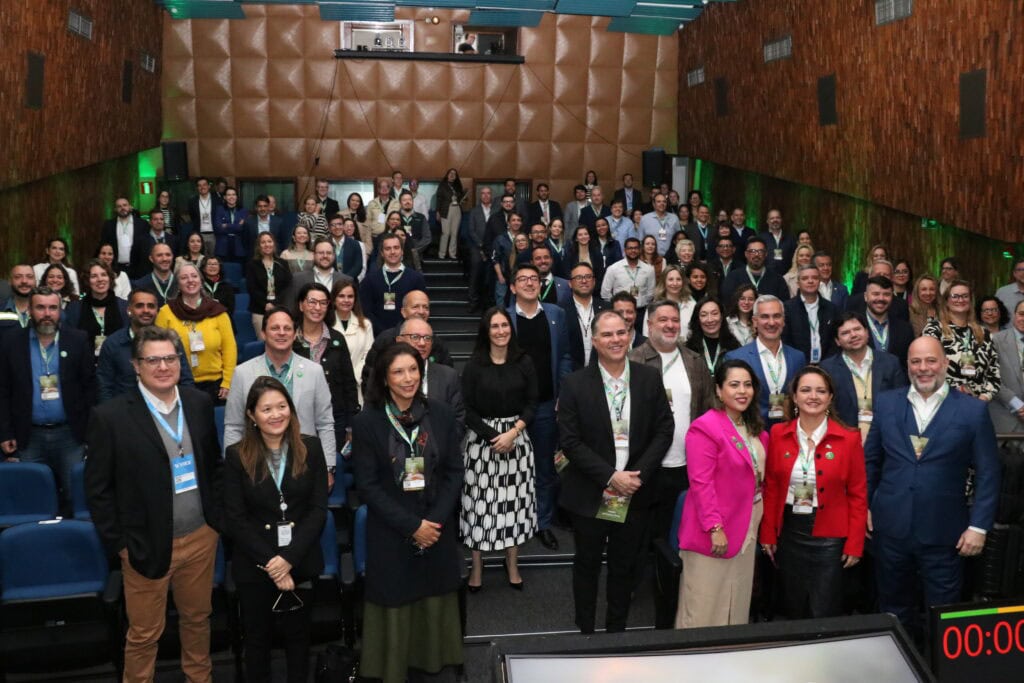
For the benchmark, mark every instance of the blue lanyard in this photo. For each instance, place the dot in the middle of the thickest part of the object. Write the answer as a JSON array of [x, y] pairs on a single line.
[[278, 476], [176, 436], [46, 354]]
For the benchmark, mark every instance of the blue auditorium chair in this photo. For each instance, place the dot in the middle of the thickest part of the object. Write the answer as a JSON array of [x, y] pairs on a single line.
[[250, 351], [59, 603], [28, 493]]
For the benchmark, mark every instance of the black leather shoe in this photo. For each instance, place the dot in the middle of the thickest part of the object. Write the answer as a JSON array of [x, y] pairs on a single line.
[[547, 539]]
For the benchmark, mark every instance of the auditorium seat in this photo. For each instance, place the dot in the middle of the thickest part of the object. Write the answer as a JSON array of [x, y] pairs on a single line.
[[28, 493], [250, 351], [242, 301], [233, 273], [60, 603], [244, 333]]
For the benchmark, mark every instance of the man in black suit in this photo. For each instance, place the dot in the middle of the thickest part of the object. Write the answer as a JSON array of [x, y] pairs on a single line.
[[614, 446], [810, 318], [545, 209], [499, 222], [47, 385], [122, 232], [740, 232], [858, 302], [628, 195], [888, 331], [780, 246], [143, 246], [327, 206], [161, 278], [476, 253], [624, 304], [153, 487], [264, 221], [591, 212], [756, 273], [724, 261], [702, 233], [579, 313], [201, 208], [415, 304]]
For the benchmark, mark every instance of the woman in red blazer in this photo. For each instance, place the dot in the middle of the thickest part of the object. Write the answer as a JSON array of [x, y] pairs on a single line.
[[815, 499]]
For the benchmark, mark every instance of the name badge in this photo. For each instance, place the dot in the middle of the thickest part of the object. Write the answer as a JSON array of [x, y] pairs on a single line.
[[815, 354], [919, 443], [49, 389], [389, 301], [195, 341], [99, 342], [183, 472], [777, 254], [284, 534], [561, 462], [803, 499], [381, 218], [775, 406], [620, 429], [413, 479], [634, 292]]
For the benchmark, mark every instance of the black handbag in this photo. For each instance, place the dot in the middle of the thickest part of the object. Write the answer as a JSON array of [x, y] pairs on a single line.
[[337, 664]]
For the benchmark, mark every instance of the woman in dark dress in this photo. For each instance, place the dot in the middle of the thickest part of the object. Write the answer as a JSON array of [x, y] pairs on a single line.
[[499, 506], [215, 286], [408, 467], [266, 277], [102, 312], [275, 505], [710, 335]]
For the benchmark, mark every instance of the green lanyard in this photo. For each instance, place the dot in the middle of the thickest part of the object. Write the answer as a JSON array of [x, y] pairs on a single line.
[[806, 456], [711, 362], [410, 440], [757, 282], [101, 319], [163, 290], [617, 396], [774, 367], [551, 283], [855, 370], [672, 361], [285, 376]]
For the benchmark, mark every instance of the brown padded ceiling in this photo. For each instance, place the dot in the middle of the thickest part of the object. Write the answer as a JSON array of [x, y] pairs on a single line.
[[249, 96]]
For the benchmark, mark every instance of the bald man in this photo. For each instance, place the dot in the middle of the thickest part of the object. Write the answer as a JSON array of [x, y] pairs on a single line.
[[415, 304], [919, 450]]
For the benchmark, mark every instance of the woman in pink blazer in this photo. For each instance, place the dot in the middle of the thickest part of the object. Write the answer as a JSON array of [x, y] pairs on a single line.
[[725, 452]]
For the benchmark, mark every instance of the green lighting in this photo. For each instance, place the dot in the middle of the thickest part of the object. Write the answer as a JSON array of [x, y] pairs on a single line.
[[752, 200], [854, 242], [697, 168], [1007, 255]]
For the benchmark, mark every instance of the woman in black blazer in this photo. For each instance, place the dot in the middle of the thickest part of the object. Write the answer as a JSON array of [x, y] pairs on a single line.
[[407, 459], [275, 500], [266, 277], [585, 249]]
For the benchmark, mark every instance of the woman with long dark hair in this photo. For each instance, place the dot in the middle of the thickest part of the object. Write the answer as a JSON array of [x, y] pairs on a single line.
[[266, 277], [813, 459], [450, 196], [740, 316], [356, 210], [346, 316], [165, 205], [499, 506], [709, 334], [275, 505], [57, 253], [407, 460]]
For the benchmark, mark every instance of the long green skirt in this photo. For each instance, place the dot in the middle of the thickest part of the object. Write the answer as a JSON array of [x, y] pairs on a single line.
[[426, 635]]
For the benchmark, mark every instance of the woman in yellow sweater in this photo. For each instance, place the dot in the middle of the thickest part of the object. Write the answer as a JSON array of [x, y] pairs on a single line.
[[205, 330]]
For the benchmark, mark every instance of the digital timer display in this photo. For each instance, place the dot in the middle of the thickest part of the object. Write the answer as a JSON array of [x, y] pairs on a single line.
[[978, 643]]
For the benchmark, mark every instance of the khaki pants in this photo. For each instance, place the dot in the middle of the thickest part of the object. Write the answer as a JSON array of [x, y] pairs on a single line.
[[190, 577]]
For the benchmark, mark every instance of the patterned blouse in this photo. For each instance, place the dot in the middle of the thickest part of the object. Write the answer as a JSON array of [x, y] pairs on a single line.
[[984, 381]]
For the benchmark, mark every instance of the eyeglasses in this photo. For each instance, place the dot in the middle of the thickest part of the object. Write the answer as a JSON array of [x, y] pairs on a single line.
[[527, 279], [959, 297], [155, 361], [582, 278], [901, 271], [316, 303], [419, 337], [756, 251]]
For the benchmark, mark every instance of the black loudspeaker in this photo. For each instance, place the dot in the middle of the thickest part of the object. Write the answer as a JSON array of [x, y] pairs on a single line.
[[721, 97], [827, 115], [34, 80], [654, 167], [972, 104], [175, 160]]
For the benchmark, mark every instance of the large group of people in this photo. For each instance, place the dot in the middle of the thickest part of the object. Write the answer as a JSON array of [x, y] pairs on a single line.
[[627, 354]]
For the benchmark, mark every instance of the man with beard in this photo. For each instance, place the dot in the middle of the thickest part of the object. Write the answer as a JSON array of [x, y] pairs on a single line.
[[15, 313], [47, 386], [765, 280], [122, 232], [115, 374], [161, 280], [918, 452]]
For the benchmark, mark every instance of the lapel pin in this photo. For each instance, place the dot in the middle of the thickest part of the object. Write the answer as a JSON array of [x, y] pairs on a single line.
[[830, 456], [63, 354]]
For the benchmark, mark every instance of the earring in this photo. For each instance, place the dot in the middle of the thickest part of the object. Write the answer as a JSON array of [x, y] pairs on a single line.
[[796, 410]]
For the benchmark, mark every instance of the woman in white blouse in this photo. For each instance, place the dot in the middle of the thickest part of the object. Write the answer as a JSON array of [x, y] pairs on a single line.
[[348, 318], [672, 287]]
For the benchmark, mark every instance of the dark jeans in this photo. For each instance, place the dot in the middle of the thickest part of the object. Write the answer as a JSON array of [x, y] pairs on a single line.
[[810, 570], [57, 448], [543, 433], [211, 389], [624, 543], [256, 601]]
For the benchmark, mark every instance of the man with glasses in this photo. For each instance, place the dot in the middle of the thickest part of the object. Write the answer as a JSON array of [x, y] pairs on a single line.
[[580, 313], [724, 260], [440, 382], [1013, 293], [766, 281], [415, 305], [542, 334], [115, 373], [324, 272], [318, 342], [47, 386], [153, 485]]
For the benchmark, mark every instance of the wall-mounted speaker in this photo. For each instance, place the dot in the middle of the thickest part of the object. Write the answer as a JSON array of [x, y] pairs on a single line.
[[654, 167], [34, 68], [827, 114], [972, 104], [175, 160], [721, 97]]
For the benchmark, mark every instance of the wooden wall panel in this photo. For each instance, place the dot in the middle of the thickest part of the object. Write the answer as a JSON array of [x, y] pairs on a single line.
[[897, 141], [83, 120], [229, 86], [847, 227]]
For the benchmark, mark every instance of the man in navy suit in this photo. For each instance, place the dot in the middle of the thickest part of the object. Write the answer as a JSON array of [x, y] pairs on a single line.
[[810, 318], [580, 312], [264, 221], [740, 232], [542, 333], [781, 246], [773, 362], [756, 273], [348, 256], [918, 452], [859, 374], [833, 290], [545, 209], [553, 289], [47, 386]]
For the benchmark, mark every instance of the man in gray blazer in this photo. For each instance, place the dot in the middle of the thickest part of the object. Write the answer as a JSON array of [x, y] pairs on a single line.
[[1007, 410], [441, 382], [475, 254], [304, 378]]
